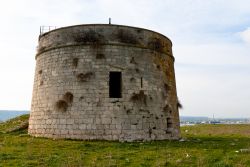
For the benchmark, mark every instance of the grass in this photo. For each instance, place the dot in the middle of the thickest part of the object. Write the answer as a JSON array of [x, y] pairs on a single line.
[[204, 145]]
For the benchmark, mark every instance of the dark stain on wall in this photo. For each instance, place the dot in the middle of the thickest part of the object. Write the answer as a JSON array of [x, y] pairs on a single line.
[[84, 77], [139, 97], [61, 105], [156, 44], [126, 37]]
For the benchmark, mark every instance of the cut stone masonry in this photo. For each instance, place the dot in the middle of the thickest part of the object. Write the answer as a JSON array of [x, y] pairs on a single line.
[[105, 82]]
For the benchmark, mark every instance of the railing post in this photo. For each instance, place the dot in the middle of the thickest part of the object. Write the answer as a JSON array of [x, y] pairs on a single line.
[[44, 29]]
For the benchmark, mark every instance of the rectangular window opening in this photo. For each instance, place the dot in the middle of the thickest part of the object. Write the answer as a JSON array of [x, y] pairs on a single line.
[[115, 84], [141, 82], [169, 123]]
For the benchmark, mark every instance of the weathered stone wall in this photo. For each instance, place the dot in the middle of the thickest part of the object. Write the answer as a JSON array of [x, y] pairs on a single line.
[[71, 86]]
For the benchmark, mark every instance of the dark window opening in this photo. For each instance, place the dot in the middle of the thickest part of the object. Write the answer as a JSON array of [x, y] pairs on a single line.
[[169, 123], [141, 82], [115, 84]]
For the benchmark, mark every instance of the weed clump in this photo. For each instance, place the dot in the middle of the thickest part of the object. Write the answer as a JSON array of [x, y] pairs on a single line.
[[179, 105], [68, 97], [61, 105]]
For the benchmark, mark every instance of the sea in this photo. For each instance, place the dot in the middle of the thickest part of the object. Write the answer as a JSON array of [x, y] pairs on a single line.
[[8, 114]]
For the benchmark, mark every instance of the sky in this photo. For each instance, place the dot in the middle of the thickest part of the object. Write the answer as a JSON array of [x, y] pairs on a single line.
[[211, 46]]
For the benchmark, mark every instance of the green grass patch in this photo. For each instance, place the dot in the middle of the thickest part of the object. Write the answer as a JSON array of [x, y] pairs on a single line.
[[204, 145]]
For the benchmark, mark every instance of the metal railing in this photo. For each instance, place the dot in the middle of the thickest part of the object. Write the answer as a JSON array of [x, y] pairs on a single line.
[[44, 29]]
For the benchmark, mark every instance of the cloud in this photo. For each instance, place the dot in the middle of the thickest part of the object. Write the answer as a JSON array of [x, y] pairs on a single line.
[[245, 35], [213, 89], [212, 63], [221, 54]]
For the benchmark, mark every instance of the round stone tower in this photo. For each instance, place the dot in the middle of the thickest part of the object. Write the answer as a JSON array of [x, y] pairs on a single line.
[[104, 81]]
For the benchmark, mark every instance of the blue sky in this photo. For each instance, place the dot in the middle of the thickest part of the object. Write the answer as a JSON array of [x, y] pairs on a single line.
[[211, 44]]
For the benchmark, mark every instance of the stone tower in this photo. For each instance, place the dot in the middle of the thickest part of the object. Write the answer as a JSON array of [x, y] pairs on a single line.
[[103, 81]]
